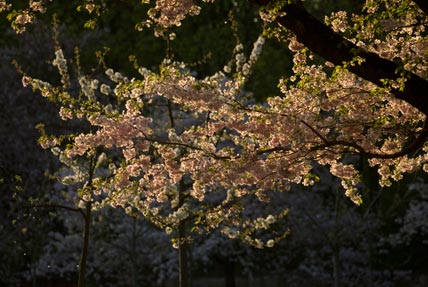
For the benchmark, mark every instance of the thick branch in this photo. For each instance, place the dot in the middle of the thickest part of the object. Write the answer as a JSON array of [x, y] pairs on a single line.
[[423, 5], [331, 46]]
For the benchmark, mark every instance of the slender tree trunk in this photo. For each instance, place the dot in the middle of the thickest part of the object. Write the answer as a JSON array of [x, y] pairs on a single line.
[[336, 244], [183, 272], [85, 247], [336, 267], [33, 272], [183, 267], [371, 179], [229, 271], [134, 253], [183, 245], [87, 213]]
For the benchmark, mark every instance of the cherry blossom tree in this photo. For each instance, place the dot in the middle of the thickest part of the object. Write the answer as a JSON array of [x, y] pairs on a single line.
[[363, 69], [176, 140], [161, 192]]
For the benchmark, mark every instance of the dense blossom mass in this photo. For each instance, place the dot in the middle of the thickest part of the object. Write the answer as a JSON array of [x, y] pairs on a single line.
[[175, 141]]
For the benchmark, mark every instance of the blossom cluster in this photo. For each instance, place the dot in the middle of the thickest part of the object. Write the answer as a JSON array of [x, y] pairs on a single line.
[[21, 18], [169, 13]]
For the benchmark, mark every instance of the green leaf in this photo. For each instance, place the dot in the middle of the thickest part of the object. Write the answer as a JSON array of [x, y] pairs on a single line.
[[90, 24]]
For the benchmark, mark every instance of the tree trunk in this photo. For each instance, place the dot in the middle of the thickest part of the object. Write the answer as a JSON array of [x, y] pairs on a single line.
[[336, 267], [229, 271], [85, 247], [134, 253], [336, 244], [183, 272]]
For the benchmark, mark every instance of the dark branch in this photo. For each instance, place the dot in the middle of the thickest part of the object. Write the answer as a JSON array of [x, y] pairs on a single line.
[[423, 5], [331, 46], [56, 206], [412, 147]]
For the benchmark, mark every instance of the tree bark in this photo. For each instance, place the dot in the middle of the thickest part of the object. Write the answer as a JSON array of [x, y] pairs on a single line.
[[336, 267], [423, 5], [331, 46], [183, 266], [336, 243], [133, 254], [85, 247], [86, 213], [183, 278], [229, 270]]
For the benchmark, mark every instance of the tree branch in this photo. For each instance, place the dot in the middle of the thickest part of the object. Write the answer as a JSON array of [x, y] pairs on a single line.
[[56, 206], [423, 5], [331, 46], [412, 147]]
